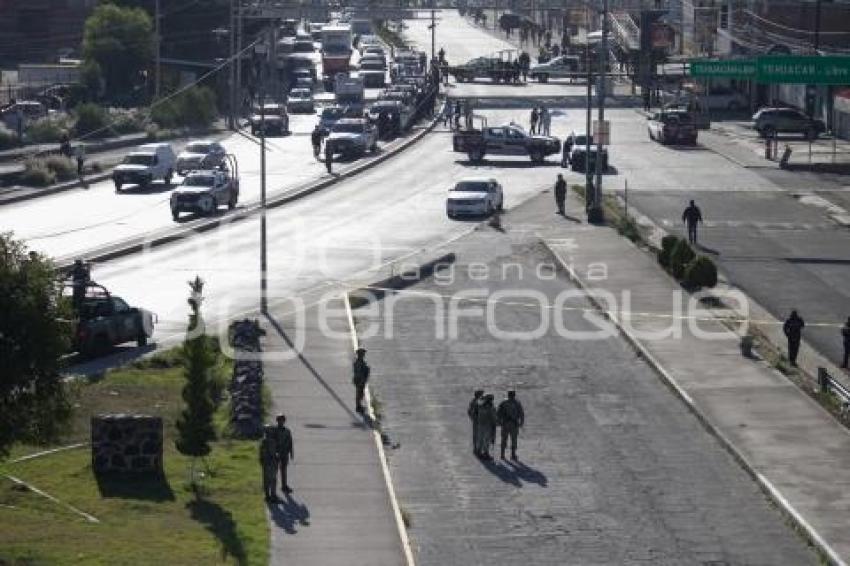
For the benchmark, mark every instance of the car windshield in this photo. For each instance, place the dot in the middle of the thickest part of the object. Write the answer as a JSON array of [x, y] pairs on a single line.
[[139, 159], [198, 148], [348, 128], [199, 181], [473, 186]]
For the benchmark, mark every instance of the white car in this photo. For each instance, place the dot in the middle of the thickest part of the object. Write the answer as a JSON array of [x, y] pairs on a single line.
[[300, 101], [476, 196], [199, 154], [352, 137], [147, 163]]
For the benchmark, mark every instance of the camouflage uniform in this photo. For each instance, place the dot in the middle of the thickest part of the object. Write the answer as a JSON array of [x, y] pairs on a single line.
[[486, 433], [268, 461]]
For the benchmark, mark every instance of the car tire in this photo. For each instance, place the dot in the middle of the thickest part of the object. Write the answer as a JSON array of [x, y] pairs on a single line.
[[543, 78], [101, 345], [537, 156], [142, 339], [117, 186], [501, 206], [175, 214], [476, 155], [231, 204]]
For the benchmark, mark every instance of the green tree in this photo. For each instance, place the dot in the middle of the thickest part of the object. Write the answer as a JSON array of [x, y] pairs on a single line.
[[121, 42], [195, 429], [34, 334]]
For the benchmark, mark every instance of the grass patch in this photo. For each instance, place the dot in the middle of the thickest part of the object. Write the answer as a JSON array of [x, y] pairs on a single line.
[[152, 521], [616, 217]]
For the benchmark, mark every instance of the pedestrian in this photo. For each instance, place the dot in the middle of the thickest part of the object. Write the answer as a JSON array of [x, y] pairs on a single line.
[[457, 114], [329, 156], [447, 112], [472, 412], [65, 146], [80, 278], [561, 194], [441, 55], [525, 63], [487, 420], [534, 117], [845, 335], [316, 140], [545, 121], [566, 148], [511, 418], [268, 463], [691, 217], [81, 159], [793, 329], [285, 451], [360, 378]]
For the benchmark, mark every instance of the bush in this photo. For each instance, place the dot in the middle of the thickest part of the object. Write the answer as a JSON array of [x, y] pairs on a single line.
[[627, 227], [667, 245], [194, 108], [7, 138], [36, 174], [46, 130], [91, 119], [701, 272], [680, 257], [63, 168], [123, 121]]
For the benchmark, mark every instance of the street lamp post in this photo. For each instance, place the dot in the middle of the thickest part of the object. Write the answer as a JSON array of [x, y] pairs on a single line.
[[157, 71]]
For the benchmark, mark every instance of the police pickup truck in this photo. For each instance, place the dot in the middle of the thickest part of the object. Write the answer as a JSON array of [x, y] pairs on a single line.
[[204, 190], [504, 140]]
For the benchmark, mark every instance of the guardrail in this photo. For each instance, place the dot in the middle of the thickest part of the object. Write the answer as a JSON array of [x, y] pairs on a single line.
[[829, 385]]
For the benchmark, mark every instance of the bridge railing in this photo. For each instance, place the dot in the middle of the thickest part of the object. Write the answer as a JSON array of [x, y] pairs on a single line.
[[625, 29]]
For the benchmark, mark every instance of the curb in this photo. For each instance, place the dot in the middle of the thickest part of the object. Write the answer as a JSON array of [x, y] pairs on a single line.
[[808, 531], [139, 244], [35, 193]]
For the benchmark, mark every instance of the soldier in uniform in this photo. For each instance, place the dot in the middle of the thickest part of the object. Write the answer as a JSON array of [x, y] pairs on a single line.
[[285, 451], [316, 141], [268, 461], [845, 336], [80, 276], [691, 217], [360, 379], [472, 412], [486, 418], [511, 418], [561, 194], [793, 329]]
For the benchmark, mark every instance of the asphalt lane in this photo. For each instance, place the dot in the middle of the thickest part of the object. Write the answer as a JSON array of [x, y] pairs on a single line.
[[613, 468]]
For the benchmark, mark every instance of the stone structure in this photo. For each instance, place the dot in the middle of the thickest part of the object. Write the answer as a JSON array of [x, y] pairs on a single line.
[[126, 444], [246, 385]]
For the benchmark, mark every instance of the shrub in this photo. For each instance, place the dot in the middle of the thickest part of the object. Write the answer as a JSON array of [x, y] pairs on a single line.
[[91, 119], [627, 227], [63, 168], [701, 272], [7, 138], [194, 108], [46, 130], [667, 244], [680, 257], [126, 121], [36, 174]]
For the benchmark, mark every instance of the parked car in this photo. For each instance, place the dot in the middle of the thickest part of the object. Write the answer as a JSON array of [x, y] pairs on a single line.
[[300, 101], [769, 121], [504, 140], [717, 99], [375, 51], [204, 191], [565, 66], [199, 154], [474, 197], [353, 137], [674, 126], [316, 30], [272, 120], [145, 164], [580, 160], [574, 139]]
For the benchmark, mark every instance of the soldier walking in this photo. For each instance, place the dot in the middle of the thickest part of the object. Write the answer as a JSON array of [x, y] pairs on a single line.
[[533, 121], [845, 335], [268, 462], [561, 194], [691, 217], [285, 451], [316, 140], [545, 121], [511, 418], [793, 329], [360, 379], [486, 432], [329, 156], [472, 412]]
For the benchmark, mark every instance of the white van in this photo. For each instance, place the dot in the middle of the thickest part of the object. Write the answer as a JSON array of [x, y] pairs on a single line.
[[145, 164]]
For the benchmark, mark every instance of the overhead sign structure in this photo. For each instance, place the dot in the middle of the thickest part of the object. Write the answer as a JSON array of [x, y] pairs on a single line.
[[737, 69], [787, 69]]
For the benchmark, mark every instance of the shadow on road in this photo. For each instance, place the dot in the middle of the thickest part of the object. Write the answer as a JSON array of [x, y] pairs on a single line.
[[515, 472], [289, 513], [146, 488], [507, 164], [120, 355], [220, 523]]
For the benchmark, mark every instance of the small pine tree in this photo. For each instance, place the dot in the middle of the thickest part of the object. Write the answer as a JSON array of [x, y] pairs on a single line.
[[195, 426], [701, 272], [680, 258], [667, 244]]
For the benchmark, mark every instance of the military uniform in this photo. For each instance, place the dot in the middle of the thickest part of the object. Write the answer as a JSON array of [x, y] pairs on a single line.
[[511, 417], [360, 370], [285, 451], [486, 432], [268, 462], [793, 329], [845, 335], [472, 412]]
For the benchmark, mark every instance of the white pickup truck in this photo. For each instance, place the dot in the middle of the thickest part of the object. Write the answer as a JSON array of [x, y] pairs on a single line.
[[203, 191], [353, 137]]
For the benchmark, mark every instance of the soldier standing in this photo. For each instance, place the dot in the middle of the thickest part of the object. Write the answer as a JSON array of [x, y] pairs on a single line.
[[691, 217], [80, 277], [285, 451], [268, 461], [845, 335], [360, 379], [487, 420], [534, 116], [472, 412], [511, 417], [793, 329], [316, 140], [329, 156], [561, 194]]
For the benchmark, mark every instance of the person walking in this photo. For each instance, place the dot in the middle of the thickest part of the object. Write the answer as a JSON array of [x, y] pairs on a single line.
[[545, 121], [65, 146], [561, 194], [329, 156], [472, 412], [285, 451], [268, 462], [81, 159], [487, 420], [566, 149], [360, 378], [845, 335], [534, 117], [511, 418], [457, 114], [447, 113], [793, 329], [316, 140], [691, 217]]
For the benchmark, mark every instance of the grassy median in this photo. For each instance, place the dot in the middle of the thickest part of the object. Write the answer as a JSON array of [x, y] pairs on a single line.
[[153, 521]]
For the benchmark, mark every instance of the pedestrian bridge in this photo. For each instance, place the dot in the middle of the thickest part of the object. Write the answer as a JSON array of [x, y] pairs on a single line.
[[626, 32]]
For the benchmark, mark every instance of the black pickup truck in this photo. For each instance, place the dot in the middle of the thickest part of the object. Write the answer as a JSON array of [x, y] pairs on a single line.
[[504, 140]]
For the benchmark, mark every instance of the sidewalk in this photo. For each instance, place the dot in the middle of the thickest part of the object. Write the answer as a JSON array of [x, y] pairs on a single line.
[[340, 512], [797, 452]]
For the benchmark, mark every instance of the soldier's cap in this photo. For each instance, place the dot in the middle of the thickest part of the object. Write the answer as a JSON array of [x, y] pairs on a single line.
[[489, 396], [280, 416], [360, 351], [478, 392]]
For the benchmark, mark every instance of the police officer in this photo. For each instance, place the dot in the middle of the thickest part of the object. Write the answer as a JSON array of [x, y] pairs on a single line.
[[845, 335], [285, 451], [80, 279], [472, 412], [793, 329], [361, 378], [561, 194], [691, 217], [486, 432], [511, 417], [316, 140], [268, 462]]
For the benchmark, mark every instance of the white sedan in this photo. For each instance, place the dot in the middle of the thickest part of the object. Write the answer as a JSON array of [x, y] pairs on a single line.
[[474, 197]]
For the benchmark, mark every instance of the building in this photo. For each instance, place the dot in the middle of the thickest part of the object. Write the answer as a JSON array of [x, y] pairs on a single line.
[[40, 31]]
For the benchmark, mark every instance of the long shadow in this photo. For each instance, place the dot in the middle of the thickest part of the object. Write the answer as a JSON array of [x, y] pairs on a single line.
[[289, 513], [220, 523], [507, 164], [572, 218], [152, 189], [313, 371], [502, 472], [818, 260], [706, 249], [528, 474], [142, 487]]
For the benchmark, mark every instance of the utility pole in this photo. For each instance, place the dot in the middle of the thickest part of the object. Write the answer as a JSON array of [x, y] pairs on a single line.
[[817, 26], [594, 211], [232, 67], [238, 60], [589, 192], [157, 72], [433, 28], [264, 301]]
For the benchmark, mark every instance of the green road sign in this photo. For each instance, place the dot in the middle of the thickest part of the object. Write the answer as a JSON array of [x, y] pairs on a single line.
[[828, 70], [733, 69]]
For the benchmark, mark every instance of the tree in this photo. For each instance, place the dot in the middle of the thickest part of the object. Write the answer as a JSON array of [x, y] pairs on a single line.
[[34, 335], [195, 426], [121, 42]]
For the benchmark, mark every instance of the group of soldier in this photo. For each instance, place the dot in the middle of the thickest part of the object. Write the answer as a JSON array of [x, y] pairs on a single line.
[[485, 417]]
